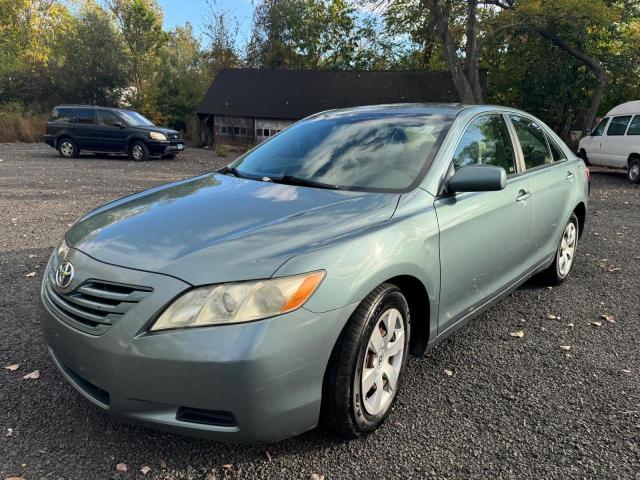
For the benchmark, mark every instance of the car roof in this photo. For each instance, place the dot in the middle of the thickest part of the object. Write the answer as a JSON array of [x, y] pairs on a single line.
[[89, 106], [628, 108]]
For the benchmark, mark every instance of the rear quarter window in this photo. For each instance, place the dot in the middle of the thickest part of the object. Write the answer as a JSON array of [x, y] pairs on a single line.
[[618, 125], [634, 127], [62, 115]]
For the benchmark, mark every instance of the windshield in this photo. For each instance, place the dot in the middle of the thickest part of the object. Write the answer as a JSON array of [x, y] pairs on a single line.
[[134, 118], [387, 152]]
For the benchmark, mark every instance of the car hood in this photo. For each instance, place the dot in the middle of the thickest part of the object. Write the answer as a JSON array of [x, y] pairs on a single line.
[[217, 228], [166, 131]]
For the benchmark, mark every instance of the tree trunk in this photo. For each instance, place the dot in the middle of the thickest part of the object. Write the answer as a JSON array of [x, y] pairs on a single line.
[[472, 50], [594, 66]]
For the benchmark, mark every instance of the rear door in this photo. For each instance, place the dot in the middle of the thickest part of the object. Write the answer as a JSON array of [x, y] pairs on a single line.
[[85, 130], [112, 138], [484, 236], [551, 178], [61, 121]]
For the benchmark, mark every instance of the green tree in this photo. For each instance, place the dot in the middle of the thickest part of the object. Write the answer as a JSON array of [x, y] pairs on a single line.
[[92, 68]]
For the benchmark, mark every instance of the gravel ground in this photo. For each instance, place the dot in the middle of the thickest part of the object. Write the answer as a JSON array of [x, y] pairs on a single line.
[[512, 408]]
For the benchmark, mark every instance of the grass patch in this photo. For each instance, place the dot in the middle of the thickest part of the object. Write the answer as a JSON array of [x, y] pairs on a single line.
[[17, 126]]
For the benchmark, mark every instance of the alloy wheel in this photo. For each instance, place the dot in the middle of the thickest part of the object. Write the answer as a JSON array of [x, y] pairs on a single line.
[[567, 249], [67, 149], [383, 362], [137, 152], [634, 171]]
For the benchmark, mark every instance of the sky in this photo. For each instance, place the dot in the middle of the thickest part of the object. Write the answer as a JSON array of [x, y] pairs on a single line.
[[178, 12]]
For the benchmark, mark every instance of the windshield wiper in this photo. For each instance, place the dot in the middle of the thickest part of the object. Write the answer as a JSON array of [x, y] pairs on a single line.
[[232, 170], [302, 182]]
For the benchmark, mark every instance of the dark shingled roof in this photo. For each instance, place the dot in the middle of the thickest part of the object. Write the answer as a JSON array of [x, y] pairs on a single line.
[[294, 94]]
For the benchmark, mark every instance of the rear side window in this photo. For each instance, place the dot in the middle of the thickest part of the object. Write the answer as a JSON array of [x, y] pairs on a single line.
[[618, 125], [634, 127], [107, 118], [62, 115], [533, 142], [85, 115], [556, 152], [486, 142], [599, 130]]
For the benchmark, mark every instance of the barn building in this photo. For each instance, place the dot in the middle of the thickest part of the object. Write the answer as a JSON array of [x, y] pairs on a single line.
[[247, 106]]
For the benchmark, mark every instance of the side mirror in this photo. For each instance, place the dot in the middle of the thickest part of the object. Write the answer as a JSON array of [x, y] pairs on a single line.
[[117, 124], [478, 178]]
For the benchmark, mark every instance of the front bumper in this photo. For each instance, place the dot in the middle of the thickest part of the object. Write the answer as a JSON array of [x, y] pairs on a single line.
[[263, 378], [166, 148]]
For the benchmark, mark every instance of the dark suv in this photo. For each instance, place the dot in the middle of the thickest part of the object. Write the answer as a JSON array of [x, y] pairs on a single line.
[[73, 128]]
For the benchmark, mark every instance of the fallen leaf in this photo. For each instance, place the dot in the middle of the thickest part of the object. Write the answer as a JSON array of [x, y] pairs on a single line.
[[32, 256], [542, 329], [551, 317], [596, 324], [614, 269], [518, 334], [14, 478], [9, 432], [228, 466], [121, 467], [565, 347], [33, 375], [316, 476], [145, 469], [608, 318], [396, 424], [448, 372], [13, 367], [625, 370], [30, 274], [266, 452], [570, 325]]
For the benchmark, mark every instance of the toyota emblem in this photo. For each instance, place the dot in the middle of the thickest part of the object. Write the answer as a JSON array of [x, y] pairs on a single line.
[[64, 275]]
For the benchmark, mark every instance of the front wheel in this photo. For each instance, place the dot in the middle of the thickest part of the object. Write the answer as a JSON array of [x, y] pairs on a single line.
[[559, 270], [367, 364], [633, 174], [139, 151]]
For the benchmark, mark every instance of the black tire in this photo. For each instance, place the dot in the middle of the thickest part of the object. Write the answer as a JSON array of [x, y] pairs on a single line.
[[138, 151], [583, 156], [343, 409], [633, 174], [68, 148], [553, 275]]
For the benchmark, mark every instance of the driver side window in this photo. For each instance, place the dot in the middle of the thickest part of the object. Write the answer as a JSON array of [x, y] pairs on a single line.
[[486, 142]]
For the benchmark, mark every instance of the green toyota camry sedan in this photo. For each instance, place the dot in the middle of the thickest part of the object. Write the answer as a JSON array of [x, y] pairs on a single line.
[[287, 289]]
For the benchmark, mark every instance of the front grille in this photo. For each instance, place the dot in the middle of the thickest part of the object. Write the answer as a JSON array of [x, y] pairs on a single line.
[[206, 417], [175, 136], [95, 305]]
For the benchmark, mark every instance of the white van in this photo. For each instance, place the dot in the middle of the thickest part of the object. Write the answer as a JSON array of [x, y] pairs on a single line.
[[615, 142]]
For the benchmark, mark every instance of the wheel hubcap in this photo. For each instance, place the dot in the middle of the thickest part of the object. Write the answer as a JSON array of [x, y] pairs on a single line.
[[567, 249], [66, 148], [382, 362], [634, 171], [137, 152]]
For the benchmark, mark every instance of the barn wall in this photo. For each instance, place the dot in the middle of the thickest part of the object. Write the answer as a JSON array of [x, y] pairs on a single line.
[[266, 128], [229, 130]]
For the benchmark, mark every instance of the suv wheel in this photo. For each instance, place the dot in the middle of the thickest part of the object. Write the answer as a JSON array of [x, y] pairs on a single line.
[[559, 270], [68, 148], [633, 174], [139, 151], [583, 156], [366, 366]]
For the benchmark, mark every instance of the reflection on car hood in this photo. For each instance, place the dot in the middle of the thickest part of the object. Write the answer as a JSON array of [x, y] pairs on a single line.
[[216, 228], [166, 131]]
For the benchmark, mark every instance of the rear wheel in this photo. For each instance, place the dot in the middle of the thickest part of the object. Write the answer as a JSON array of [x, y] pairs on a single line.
[[633, 174], [68, 148], [559, 270], [139, 151], [367, 364], [583, 156]]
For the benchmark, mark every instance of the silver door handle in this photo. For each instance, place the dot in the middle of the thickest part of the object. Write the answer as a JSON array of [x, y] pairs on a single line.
[[523, 195]]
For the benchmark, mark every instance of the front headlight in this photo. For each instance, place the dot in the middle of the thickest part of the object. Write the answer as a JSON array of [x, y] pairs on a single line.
[[158, 136], [239, 302]]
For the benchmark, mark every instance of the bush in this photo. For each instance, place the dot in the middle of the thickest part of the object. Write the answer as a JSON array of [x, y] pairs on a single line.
[[19, 126], [222, 151]]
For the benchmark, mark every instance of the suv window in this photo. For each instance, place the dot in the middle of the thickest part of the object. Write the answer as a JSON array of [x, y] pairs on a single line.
[[63, 115], [107, 118], [486, 142], [533, 142], [618, 125], [634, 128], [599, 130], [85, 115]]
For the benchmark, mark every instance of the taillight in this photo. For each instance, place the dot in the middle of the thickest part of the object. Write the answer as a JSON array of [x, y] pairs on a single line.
[[587, 174]]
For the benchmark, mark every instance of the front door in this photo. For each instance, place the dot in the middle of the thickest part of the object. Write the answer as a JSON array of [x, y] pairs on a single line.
[[593, 143], [484, 236], [112, 138]]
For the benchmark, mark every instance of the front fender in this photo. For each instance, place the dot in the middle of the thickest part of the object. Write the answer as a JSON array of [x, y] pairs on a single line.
[[407, 244]]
